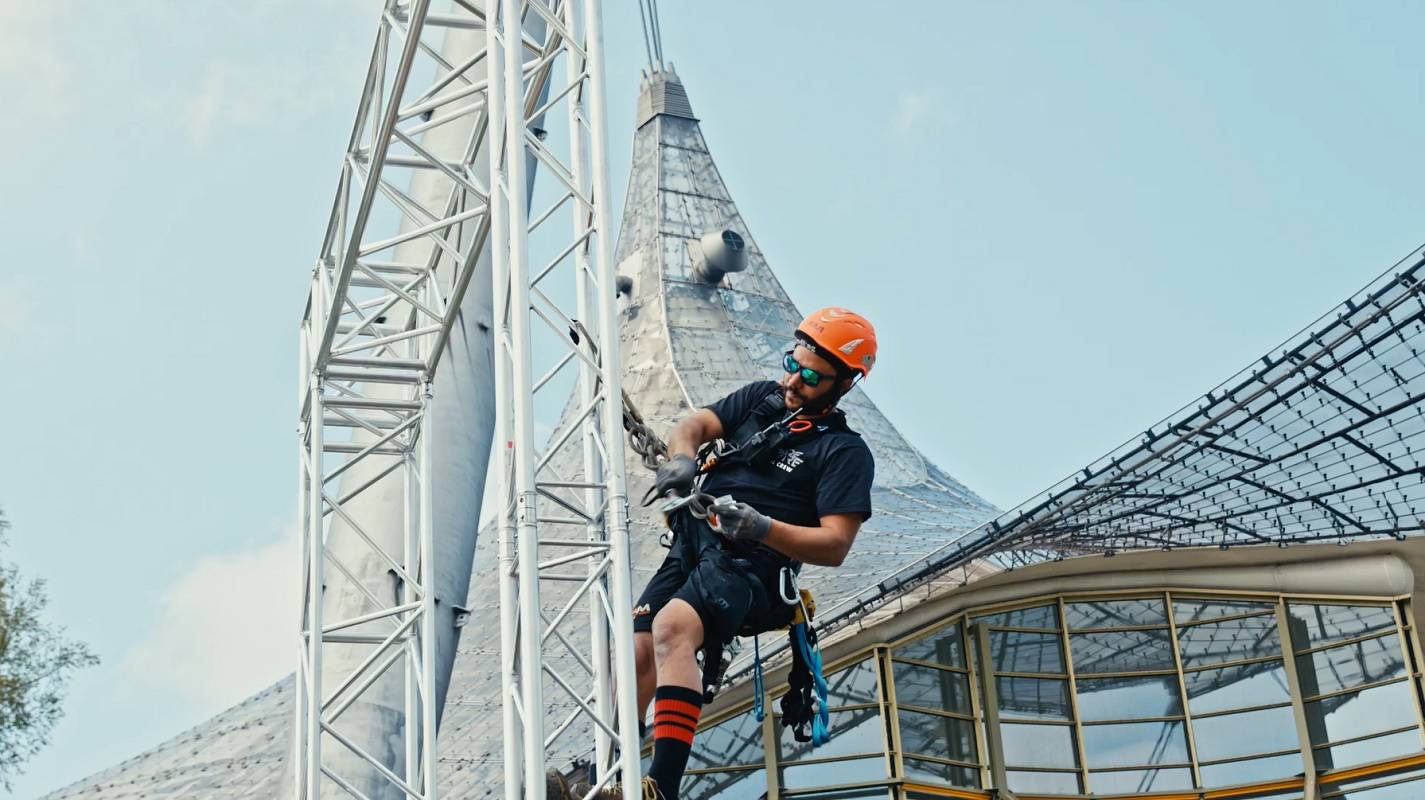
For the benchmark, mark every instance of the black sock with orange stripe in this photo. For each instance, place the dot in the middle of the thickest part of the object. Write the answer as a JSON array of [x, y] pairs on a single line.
[[675, 718]]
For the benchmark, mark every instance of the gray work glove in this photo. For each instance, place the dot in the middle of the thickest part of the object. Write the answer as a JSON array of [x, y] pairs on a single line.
[[740, 522], [676, 476]]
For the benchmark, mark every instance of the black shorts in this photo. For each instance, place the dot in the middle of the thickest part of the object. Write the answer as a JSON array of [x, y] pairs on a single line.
[[735, 594]]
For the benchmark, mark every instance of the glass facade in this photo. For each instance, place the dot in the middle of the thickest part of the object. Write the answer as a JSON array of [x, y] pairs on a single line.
[[1166, 694]]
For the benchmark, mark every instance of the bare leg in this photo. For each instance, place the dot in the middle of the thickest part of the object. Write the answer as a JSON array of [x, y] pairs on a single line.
[[677, 635], [647, 671]]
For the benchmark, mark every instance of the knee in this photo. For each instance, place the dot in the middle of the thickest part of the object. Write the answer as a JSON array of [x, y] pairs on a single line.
[[676, 629]]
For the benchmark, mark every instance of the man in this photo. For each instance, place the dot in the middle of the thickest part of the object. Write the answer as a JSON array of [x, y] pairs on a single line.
[[802, 501]]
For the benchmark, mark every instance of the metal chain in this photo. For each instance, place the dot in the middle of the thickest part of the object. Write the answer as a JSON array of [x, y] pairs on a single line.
[[650, 448]]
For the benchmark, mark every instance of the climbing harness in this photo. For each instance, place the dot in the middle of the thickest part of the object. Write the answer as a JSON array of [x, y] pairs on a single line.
[[804, 706]]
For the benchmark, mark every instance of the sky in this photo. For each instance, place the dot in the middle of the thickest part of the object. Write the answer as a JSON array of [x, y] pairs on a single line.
[[1065, 220]]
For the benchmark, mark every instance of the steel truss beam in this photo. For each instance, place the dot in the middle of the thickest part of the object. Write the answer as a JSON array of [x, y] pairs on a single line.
[[381, 309], [554, 303]]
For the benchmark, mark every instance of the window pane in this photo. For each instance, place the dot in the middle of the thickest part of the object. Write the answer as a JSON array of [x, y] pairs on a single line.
[[934, 772], [1115, 613], [1360, 713], [1232, 735], [931, 688], [748, 785], [869, 793], [1323, 624], [1391, 745], [1038, 745], [1349, 666], [941, 737], [1188, 611], [1135, 743], [1232, 640], [1140, 780], [1400, 791], [1033, 698], [1237, 687], [853, 685], [1257, 770], [736, 742], [851, 732], [942, 647], [1040, 618], [1128, 698], [1124, 651], [1026, 652], [832, 773], [1046, 782]]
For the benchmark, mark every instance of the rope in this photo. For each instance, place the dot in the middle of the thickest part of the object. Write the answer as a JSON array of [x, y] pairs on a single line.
[[652, 33], [757, 688], [657, 30], [821, 719], [647, 38]]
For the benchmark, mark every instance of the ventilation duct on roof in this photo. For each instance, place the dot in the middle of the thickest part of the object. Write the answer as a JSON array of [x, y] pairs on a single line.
[[717, 254]]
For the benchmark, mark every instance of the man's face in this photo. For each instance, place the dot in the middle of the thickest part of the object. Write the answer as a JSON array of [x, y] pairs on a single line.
[[796, 394]]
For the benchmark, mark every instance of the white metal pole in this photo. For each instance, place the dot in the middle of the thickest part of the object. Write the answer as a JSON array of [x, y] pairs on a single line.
[[412, 562], [616, 513], [304, 476], [427, 580], [582, 219], [410, 498], [531, 629], [499, 261], [315, 556]]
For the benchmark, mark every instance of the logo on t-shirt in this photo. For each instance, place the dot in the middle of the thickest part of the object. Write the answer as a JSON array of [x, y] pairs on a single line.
[[788, 460]]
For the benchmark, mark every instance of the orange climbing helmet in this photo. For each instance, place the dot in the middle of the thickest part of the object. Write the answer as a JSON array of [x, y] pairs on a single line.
[[841, 336]]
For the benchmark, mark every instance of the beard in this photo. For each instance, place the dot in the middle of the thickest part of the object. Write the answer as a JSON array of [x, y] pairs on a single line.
[[818, 405]]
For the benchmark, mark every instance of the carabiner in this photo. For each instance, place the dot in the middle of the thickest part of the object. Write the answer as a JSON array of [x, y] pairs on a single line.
[[787, 587]]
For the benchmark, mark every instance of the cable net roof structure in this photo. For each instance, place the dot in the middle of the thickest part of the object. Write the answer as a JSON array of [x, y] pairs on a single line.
[[1317, 442]]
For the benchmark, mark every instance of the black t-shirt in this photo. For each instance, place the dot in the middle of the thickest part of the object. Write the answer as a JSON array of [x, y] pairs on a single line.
[[828, 470]]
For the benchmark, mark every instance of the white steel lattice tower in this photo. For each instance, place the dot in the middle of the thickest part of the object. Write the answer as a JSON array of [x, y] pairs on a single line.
[[389, 523], [552, 524]]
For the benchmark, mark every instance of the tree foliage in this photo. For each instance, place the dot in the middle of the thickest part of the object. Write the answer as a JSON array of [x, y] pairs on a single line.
[[36, 661]]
